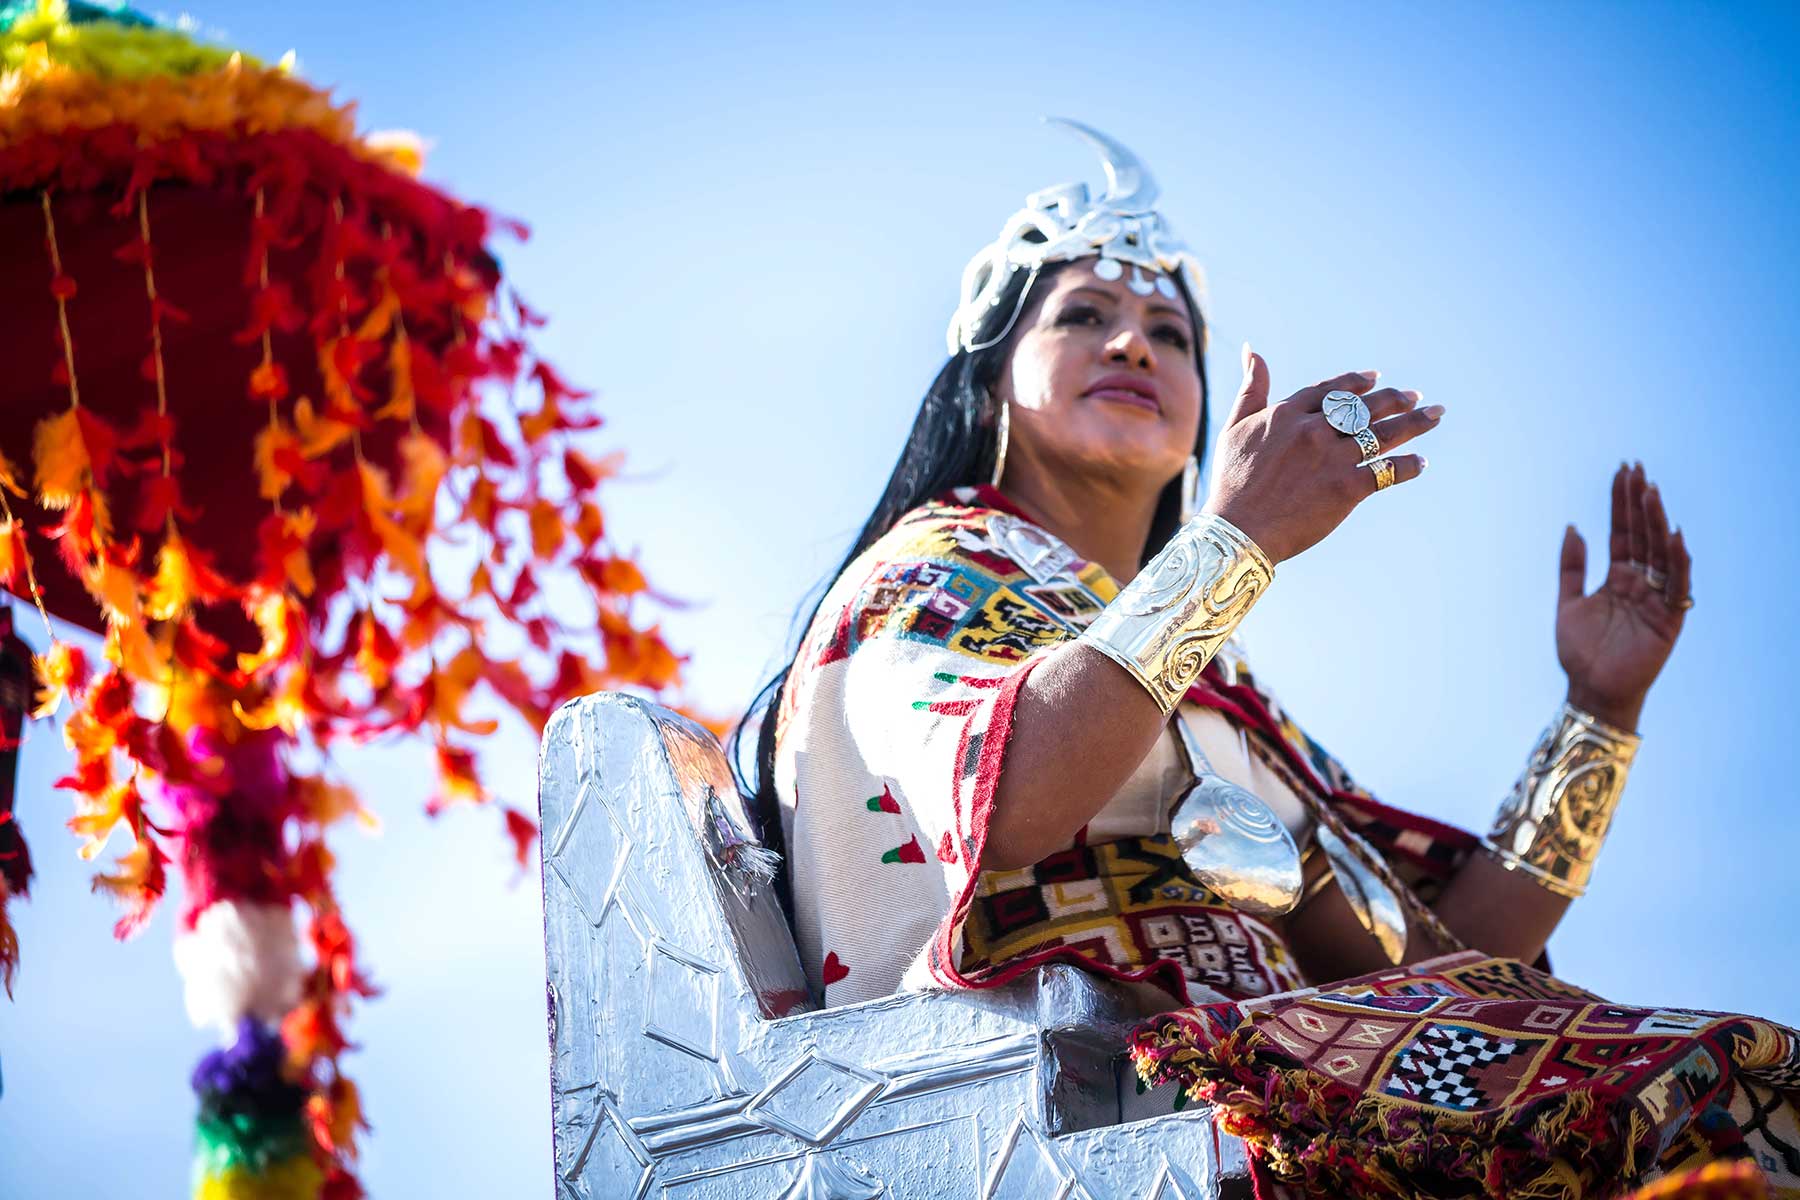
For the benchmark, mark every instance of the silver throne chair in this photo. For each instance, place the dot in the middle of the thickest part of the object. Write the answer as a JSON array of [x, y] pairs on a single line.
[[689, 1059]]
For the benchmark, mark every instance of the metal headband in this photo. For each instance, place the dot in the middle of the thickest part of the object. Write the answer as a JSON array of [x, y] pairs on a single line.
[[1061, 223]]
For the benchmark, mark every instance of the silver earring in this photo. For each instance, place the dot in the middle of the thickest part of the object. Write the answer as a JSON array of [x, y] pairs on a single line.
[[1002, 432], [1190, 489]]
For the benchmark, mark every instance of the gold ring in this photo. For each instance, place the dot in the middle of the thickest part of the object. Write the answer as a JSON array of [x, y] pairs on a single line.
[[1384, 473], [1683, 604], [1368, 443]]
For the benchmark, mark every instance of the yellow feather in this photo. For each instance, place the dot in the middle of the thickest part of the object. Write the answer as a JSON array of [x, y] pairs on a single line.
[[61, 458], [171, 592], [57, 669], [114, 588], [422, 470], [9, 477], [12, 551], [270, 440]]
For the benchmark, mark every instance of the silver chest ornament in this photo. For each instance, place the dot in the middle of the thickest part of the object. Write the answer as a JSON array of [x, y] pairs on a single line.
[[1232, 840], [1235, 845], [1375, 904]]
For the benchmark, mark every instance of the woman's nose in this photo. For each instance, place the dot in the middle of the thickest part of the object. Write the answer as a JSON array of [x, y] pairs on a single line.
[[1130, 346]]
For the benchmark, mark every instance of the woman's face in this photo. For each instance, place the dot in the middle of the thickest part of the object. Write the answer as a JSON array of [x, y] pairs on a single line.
[[1102, 381]]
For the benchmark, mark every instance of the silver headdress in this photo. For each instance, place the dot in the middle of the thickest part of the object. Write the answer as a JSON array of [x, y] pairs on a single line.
[[1062, 223]]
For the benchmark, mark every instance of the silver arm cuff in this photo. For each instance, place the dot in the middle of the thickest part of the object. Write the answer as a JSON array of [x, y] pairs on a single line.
[[1552, 824], [1166, 624]]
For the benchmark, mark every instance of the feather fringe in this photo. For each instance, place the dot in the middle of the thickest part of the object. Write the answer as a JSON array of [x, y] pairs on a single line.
[[239, 960]]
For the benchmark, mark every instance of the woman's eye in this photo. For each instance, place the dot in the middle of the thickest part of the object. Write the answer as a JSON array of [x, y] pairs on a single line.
[[1078, 315], [1173, 336]]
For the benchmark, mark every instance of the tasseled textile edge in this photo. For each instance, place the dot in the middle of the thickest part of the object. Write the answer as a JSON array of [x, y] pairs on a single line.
[[1557, 1148]]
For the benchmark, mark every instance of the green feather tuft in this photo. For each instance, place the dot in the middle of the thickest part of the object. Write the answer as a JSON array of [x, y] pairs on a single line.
[[248, 1141], [102, 40]]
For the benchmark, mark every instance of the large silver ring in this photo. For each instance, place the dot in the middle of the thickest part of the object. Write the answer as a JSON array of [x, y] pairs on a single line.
[[1384, 473], [1655, 578], [1346, 412], [1368, 443]]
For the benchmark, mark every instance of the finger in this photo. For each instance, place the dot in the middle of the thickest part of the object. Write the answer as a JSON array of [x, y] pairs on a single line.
[[1313, 398], [1406, 467], [1571, 576], [1397, 431], [1619, 545], [1388, 402], [1656, 522], [1681, 569], [1253, 392], [1634, 515]]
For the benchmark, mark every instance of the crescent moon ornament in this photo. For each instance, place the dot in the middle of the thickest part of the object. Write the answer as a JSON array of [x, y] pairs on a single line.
[[1066, 221], [1232, 840], [1374, 903], [1129, 185]]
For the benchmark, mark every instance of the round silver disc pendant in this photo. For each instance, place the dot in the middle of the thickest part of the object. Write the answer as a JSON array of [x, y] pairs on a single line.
[[1236, 845]]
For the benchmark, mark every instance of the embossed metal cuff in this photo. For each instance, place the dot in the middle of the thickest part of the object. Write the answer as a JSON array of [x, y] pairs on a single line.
[[1552, 824], [1166, 624]]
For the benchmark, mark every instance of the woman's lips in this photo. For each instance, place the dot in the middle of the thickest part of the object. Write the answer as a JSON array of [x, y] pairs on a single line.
[[1122, 395]]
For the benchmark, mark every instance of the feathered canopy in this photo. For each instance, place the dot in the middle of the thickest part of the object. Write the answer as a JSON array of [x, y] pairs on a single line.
[[270, 425]]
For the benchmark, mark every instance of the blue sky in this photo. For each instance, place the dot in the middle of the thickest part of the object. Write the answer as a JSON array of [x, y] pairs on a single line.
[[1570, 224]]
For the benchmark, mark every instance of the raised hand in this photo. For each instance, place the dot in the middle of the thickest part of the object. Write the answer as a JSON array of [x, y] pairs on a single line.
[[1614, 642], [1285, 477]]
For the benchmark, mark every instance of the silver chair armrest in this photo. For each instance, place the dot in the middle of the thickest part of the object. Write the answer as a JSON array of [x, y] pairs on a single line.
[[674, 1073]]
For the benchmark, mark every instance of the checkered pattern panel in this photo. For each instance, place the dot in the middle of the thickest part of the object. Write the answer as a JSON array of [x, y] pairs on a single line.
[[1444, 1064]]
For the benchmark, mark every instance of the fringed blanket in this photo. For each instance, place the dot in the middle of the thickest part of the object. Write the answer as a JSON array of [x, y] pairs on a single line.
[[1468, 1076]]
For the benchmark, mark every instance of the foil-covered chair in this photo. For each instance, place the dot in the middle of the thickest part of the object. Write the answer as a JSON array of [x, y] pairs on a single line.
[[689, 1059]]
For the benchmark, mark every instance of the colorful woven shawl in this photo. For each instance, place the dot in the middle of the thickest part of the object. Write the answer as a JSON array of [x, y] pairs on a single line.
[[1477, 1077]]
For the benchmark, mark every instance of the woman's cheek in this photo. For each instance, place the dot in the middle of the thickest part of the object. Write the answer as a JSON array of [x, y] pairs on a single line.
[[1034, 381]]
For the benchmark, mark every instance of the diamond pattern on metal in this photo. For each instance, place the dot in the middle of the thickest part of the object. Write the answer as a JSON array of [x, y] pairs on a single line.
[[614, 1162], [831, 1177], [815, 1099], [681, 998], [592, 836], [1168, 1185], [1027, 1169]]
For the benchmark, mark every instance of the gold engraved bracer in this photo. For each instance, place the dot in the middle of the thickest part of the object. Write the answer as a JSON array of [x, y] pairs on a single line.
[[1166, 624], [1552, 824]]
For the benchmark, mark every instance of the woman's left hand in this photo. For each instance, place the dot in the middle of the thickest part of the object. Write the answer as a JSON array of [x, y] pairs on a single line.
[[1614, 642]]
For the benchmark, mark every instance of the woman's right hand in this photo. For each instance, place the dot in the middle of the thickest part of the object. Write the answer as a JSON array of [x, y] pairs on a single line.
[[1287, 478]]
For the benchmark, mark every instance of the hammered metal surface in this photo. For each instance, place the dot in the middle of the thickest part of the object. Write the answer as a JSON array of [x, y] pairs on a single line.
[[689, 1060]]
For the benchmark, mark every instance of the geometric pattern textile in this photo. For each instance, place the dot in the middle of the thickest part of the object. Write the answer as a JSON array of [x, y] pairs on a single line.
[[1126, 905], [1474, 1076]]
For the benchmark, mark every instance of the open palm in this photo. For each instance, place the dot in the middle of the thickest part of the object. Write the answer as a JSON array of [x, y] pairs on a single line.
[[1614, 641]]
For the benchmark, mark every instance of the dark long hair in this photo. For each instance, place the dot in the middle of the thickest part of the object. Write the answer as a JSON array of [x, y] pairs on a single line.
[[952, 444]]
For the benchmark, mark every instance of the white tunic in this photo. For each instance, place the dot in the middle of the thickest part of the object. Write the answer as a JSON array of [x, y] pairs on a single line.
[[893, 732]]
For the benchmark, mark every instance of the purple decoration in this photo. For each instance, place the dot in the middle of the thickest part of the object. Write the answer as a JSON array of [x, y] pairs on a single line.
[[247, 1075]]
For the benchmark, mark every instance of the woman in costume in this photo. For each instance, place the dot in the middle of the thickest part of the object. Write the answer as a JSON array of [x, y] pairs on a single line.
[[1019, 729]]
